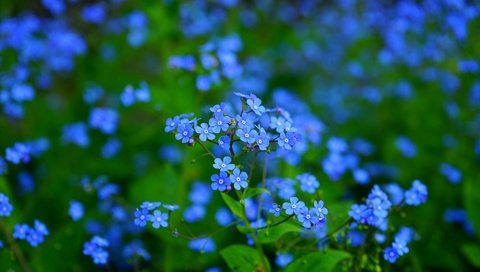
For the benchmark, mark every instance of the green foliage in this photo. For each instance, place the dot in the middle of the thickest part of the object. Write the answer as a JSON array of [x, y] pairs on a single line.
[[273, 234], [325, 260], [242, 258]]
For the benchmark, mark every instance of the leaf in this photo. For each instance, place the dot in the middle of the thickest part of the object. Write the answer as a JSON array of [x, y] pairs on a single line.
[[471, 252], [318, 261], [251, 192], [472, 202], [234, 206], [243, 258], [272, 234]]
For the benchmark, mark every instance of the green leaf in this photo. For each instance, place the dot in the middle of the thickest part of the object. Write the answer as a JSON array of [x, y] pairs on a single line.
[[472, 253], [234, 206], [251, 192], [472, 202], [272, 234], [243, 258], [318, 261]]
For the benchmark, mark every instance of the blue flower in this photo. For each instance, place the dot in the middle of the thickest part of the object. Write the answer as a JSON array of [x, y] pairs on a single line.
[[5, 206], [283, 259], [390, 254], [141, 217], [171, 207], [278, 123], [150, 205], [200, 193], [308, 183], [205, 132], [247, 136], [223, 216], [400, 246], [220, 182], [263, 140], [203, 83], [239, 179], [320, 209], [18, 153], [220, 123], [94, 13], [245, 121], [158, 219], [286, 140], [294, 206], [76, 133], [224, 142], [218, 110], [275, 209], [20, 231], [202, 244], [451, 173], [76, 210], [96, 248], [224, 164], [184, 132], [417, 194], [358, 212], [307, 217], [255, 104], [172, 123], [194, 213], [104, 119], [128, 96]]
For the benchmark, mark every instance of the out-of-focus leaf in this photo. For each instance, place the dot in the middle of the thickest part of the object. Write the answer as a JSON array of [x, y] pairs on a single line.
[[242, 258], [318, 261], [234, 206], [251, 192], [472, 252], [472, 202], [272, 234]]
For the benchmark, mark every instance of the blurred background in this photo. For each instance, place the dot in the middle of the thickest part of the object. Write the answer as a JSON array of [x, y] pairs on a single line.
[[87, 86]]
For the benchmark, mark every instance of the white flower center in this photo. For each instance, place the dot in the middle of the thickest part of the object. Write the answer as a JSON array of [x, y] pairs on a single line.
[[247, 135], [260, 141], [185, 133], [220, 181], [286, 141], [238, 179], [205, 131], [223, 165], [219, 123], [294, 206]]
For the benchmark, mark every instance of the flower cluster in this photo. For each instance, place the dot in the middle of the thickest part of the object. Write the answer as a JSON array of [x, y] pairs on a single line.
[[34, 235], [399, 246], [250, 126], [148, 212], [5, 206], [375, 211], [308, 217], [96, 248]]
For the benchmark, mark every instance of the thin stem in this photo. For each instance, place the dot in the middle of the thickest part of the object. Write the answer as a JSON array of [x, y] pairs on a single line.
[[346, 223], [278, 223], [16, 249], [204, 147]]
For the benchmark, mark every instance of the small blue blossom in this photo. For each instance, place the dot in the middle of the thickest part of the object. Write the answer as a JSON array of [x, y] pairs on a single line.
[[224, 164], [320, 210], [275, 209], [220, 182], [245, 121], [223, 216], [141, 217], [400, 246], [239, 179], [170, 207], [224, 142], [247, 136], [294, 206], [205, 132], [220, 123], [307, 217], [452, 174], [287, 141], [76, 210], [128, 96], [184, 132], [104, 119], [263, 140], [203, 245], [308, 183], [255, 104], [18, 153], [150, 205], [172, 123], [200, 193], [277, 123], [194, 213], [20, 231], [96, 248], [5, 206], [76, 133], [158, 219], [417, 194], [390, 254]]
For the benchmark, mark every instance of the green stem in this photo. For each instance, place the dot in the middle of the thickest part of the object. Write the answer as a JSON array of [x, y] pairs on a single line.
[[204, 147], [16, 249]]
